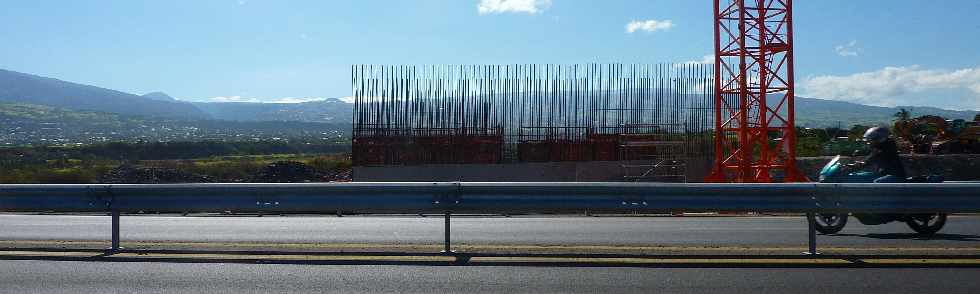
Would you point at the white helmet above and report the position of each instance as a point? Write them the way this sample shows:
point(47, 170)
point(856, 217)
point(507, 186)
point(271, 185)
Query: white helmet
point(876, 135)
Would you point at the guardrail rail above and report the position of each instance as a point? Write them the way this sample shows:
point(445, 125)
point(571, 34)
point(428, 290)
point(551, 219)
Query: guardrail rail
point(478, 197)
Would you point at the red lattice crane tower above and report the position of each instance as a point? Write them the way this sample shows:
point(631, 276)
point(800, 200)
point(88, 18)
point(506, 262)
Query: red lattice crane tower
point(755, 134)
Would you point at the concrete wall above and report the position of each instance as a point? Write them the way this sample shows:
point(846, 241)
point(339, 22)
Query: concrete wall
point(953, 167)
point(589, 171)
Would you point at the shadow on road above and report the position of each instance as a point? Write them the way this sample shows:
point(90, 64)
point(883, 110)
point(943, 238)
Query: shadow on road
point(913, 236)
point(511, 260)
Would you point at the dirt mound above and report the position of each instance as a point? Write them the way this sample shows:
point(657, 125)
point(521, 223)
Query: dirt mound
point(128, 174)
point(298, 172)
point(339, 175)
point(288, 172)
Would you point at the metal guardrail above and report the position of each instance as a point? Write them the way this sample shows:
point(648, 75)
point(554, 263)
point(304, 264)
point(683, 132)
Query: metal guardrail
point(493, 197)
point(466, 197)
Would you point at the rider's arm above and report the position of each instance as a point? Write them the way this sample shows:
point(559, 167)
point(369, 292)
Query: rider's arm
point(871, 159)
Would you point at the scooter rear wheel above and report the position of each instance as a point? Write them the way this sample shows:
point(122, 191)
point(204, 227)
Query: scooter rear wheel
point(830, 223)
point(927, 224)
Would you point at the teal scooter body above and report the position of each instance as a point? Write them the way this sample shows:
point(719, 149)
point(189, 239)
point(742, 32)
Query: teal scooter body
point(836, 171)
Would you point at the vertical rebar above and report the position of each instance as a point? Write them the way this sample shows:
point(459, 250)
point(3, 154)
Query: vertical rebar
point(565, 105)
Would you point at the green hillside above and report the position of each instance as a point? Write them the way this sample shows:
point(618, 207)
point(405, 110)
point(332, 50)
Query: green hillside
point(819, 113)
point(37, 124)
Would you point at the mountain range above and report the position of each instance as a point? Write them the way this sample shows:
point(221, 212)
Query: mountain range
point(24, 88)
point(330, 110)
point(18, 87)
point(21, 88)
point(29, 124)
point(820, 113)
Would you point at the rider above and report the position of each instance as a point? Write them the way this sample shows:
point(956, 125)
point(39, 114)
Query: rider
point(884, 156)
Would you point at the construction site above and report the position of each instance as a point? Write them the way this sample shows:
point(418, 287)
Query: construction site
point(731, 120)
point(593, 122)
point(932, 134)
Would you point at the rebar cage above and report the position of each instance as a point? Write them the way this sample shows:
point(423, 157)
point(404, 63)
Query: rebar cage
point(491, 114)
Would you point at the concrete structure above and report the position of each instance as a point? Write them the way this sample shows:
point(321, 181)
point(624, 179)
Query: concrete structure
point(584, 171)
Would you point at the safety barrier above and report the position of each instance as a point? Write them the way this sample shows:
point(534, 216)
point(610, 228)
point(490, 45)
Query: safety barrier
point(475, 197)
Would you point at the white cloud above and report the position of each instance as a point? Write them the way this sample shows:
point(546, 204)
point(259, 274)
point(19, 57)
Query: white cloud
point(891, 86)
point(233, 99)
point(297, 100)
point(707, 59)
point(512, 6)
point(242, 2)
point(850, 49)
point(649, 26)
point(273, 100)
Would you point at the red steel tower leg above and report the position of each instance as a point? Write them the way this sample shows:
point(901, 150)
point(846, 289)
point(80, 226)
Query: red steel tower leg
point(755, 133)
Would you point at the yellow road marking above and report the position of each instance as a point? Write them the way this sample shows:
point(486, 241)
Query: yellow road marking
point(436, 247)
point(660, 260)
point(496, 259)
point(47, 254)
point(218, 256)
point(286, 257)
point(907, 261)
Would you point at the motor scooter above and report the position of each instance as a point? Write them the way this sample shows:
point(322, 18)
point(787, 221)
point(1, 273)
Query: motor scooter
point(831, 223)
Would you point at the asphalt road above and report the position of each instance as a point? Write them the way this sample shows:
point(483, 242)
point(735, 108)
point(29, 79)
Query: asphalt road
point(39, 271)
point(960, 231)
point(162, 277)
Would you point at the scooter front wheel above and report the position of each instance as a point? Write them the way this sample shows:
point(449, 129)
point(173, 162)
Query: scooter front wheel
point(829, 223)
point(927, 224)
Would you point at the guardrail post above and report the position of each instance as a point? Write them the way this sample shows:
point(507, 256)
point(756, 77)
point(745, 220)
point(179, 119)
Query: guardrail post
point(449, 201)
point(115, 231)
point(447, 244)
point(811, 233)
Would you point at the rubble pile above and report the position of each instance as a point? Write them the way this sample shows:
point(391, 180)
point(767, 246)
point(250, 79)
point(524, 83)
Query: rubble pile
point(128, 174)
point(339, 175)
point(277, 172)
point(287, 172)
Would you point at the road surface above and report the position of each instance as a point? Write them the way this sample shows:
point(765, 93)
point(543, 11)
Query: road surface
point(49, 268)
point(136, 277)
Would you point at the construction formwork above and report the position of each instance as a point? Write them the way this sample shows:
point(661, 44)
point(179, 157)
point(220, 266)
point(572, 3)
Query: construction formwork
point(491, 114)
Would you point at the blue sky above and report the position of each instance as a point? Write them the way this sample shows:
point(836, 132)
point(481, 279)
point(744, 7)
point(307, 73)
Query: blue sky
point(899, 52)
